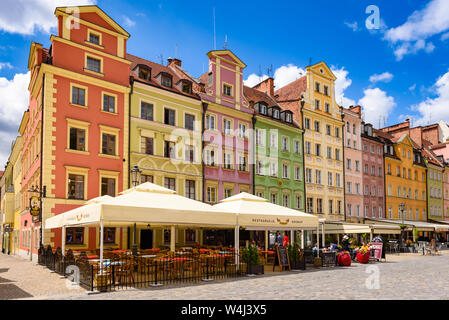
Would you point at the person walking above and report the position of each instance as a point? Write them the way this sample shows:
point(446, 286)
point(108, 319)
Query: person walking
point(279, 239)
point(285, 240)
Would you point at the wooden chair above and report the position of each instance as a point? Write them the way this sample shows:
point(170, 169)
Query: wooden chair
point(124, 272)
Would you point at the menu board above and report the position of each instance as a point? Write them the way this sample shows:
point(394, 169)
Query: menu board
point(377, 247)
point(281, 258)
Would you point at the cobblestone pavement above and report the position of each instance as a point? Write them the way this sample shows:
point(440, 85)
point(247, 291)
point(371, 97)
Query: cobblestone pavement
point(407, 276)
point(20, 278)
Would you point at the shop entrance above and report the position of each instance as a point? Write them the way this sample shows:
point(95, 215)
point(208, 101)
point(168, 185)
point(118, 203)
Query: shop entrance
point(146, 239)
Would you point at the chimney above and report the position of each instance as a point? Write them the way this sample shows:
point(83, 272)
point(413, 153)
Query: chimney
point(266, 86)
point(174, 61)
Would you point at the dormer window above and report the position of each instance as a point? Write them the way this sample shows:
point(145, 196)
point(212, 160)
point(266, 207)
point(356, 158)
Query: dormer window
point(95, 39)
point(276, 113)
point(144, 73)
point(288, 117)
point(186, 87)
point(166, 80)
point(262, 109)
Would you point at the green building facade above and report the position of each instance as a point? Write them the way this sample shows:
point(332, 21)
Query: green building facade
point(435, 206)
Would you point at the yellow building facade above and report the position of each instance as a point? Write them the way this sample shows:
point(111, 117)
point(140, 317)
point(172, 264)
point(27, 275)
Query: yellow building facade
point(405, 180)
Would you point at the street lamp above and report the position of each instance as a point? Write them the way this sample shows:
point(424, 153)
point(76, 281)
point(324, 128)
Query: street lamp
point(135, 176)
point(402, 209)
point(135, 180)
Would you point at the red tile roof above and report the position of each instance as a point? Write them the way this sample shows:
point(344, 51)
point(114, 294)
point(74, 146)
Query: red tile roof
point(156, 69)
point(292, 91)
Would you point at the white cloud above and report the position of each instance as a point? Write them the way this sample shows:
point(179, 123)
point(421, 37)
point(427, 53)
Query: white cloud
point(282, 76)
point(445, 36)
point(27, 16)
point(383, 77)
point(354, 26)
point(341, 84)
point(410, 37)
point(14, 101)
point(128, 22)
point(435, 109)
point(376, 103)
point(413, 87)
point(5, 65)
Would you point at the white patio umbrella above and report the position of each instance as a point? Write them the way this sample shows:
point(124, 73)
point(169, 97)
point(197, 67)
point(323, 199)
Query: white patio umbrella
point(256, 213)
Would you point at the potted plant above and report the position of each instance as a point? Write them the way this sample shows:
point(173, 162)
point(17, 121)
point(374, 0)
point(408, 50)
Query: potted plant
point(344, 258)
point(363, 255)
point(296, 257)
point(250, 256)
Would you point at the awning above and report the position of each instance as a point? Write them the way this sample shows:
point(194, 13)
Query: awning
point(385, 229)
point(147, 203)
point(443, 226)
point(419, 225)
point(335, 227)
point(256, 213)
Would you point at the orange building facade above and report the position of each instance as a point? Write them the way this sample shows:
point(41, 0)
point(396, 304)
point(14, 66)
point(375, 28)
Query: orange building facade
point(84, 143)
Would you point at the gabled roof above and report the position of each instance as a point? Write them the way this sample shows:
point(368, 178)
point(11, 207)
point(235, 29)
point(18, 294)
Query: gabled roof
point(292, 91)
point(323, 65)
point(221, 53)
point(93, 9)
point(157, 69)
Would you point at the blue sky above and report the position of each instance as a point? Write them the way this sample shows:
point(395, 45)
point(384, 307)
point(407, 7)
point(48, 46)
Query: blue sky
point(407, 55)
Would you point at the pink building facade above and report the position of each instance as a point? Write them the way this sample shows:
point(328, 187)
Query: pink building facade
point(373, 174)
point(353, 164)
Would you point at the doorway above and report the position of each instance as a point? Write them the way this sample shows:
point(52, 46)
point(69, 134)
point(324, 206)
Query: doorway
point(146, 239)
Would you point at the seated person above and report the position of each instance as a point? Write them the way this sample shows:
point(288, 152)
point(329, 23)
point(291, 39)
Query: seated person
point(315, 250)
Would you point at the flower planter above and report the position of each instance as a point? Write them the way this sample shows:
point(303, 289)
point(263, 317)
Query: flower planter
point(297, 265)
point(363, 258)
point(256, 269)
point(344, 259)
point(317, 262)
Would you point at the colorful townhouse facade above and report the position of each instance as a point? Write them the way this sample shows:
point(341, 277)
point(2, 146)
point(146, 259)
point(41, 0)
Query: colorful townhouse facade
point(227, 127)
point(165, 138)
point(446, 193)
point(435, 170)
point(373, 173)
point(354, 187)
point(76, 130)
point(311, 98)
point(405, 178)
point(278, 153)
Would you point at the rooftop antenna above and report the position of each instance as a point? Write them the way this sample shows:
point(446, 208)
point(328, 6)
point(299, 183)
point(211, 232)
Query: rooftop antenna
point(310, 61)
point(176, 52)
point(215, 37)
point(225, 47)
point(270, 71)
point(161, 56)
point(260, 73)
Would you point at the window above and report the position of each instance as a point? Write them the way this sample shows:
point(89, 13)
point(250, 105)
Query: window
point(146, 111)
point(108, 103)
point(169, 117)
point(169, 150)
point(263, 108)
point(259, 137)
point(349, 209)
point(285, 171)
point(319, 205)
point(348, 164)
point(242, 163)
point(94, 38)
point(93, 64)
point(210, 158)
point(147, 145)
point(318, 176)
point(389, 169)
point(210, 122)
point(339, 207)
point(273, 169)
point(329, 179)
point(227, 163)
point(326, 107)
point(296, 146)
point(78, 96)
point(318, 150)
point(337, 132)
point(166, 80)
point(228, 192)
point(211, 194)
point(297, 173)
point(285, 200)
point(259, 167)
point(108, 146)
point(210, 78)
point(307, 123)
point(227, 126)
point(170, 183)
point(337, 154)
point(274, 198)
point(284, 144)
point(144, 74)
point(317, 126)
point(77, 139)
point(242, 130)
point(308, 147)
point(317, 104)
point(373, 170)
point(227, 90)
point(108, 187)
point(349, 187)
point(146, 178)
point(76, 187)
point(357, 165)
point(329, 152)
point(308, 175)
point(298, 201)
point(348, 128)
point(331, 206)
point(188, 121)
point(366, 190)
point(317, 87)
point(326, 90)
point(309, 205)
point(189, 153)
point(357, 188)
point(74, 236)
point(328, 129)
point(186, 87)
point(337, 180)
point(190, 189)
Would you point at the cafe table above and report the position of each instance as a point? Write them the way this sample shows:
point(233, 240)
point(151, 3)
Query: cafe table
point(92, 257)
point(149, 256)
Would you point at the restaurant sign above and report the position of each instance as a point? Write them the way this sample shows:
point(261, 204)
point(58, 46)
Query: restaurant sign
point(35, 206)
